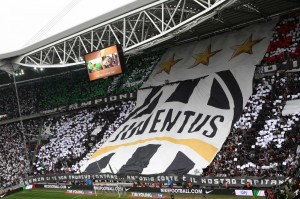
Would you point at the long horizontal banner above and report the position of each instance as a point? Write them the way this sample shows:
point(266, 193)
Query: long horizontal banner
point(158, 190)
point(146, 189)
point(196, 180)
point(98, 101)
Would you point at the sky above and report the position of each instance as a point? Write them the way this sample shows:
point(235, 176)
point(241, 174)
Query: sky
point(25, 22)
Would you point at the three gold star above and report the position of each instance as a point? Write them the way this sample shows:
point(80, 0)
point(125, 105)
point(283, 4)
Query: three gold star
point(246, 47)
point(203, 58)
point(168, 65)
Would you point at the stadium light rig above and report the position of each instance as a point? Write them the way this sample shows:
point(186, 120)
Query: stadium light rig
point(19, 72)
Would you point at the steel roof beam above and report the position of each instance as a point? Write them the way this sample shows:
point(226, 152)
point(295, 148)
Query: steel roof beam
point(135, 31)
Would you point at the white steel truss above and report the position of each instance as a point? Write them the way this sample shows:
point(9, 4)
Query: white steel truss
point(135, 31)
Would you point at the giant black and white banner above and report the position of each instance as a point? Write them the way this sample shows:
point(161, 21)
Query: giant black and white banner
point(178, 128)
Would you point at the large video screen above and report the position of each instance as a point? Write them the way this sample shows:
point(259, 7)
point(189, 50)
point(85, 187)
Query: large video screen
point(104, 63)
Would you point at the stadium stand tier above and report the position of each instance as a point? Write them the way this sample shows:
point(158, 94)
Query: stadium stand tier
point(14, 163)
point(263, 142)
point(285, 42)
point(74, 87)
point(71, 136)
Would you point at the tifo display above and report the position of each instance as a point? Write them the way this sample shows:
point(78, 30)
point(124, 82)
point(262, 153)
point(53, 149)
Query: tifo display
point(201, 115)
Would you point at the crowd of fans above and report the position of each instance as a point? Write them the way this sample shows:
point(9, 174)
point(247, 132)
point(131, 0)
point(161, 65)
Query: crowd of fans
point(8, 101)
point(285, 42)
point(74, 87)
point(106, 132)
point(71, 136)
point(14, 163)
point(263, 142)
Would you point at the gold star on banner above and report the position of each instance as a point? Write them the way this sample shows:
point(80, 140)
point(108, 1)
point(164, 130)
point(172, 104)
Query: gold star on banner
point(203, 58)
point(168, 65)
point(246, 47)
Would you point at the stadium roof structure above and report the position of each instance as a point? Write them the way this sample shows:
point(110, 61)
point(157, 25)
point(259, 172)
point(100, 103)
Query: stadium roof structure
point(147, 24)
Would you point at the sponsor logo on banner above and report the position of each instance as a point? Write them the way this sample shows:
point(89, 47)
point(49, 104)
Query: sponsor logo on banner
point(147, 195)
point(243, 192)
point(254, 192)
point(198, 191)
point(54, 186)
point(110, 188)
point(208, 192)
point(80, 192)
point(185, 191)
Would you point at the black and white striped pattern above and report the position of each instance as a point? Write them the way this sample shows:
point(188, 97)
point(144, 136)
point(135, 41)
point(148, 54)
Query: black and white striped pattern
point(178, 128)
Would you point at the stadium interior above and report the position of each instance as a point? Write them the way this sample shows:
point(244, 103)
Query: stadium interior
point(53, 120)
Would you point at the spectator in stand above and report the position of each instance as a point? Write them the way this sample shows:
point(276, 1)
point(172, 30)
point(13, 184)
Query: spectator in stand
point(190, 185)
point(248, 186)
point(170, 183)
point(159, 184)
point(153, 185)
point(227, 184)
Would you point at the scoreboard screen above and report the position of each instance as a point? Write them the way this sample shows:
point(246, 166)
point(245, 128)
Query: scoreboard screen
point(104, 63)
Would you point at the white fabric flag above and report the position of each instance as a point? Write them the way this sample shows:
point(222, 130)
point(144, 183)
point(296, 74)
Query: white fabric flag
point(177, 128)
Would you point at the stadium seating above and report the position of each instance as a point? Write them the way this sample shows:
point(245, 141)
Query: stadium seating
point(263, 142)
point(285, 42)
point(73, 87)
point(14, 164)
point(27, 97)
point(135, 76)
point(71, 136)
point(111, 127)
point(58, 91)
